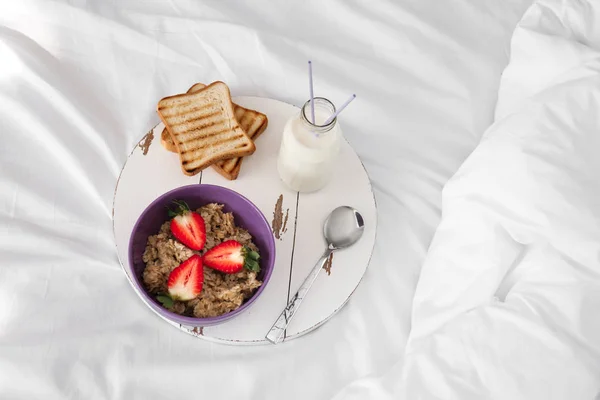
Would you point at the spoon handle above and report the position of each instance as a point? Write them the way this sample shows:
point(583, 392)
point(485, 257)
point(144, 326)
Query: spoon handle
point(277, 332)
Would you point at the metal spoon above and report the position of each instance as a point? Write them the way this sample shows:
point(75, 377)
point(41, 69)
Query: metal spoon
point(343, 227)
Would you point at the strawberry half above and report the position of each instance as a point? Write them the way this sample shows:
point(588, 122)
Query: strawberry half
point(231, 257)
point(188, 226)
point(185, 281)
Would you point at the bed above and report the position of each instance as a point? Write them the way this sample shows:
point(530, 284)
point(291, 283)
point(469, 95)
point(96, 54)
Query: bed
point(79, 83)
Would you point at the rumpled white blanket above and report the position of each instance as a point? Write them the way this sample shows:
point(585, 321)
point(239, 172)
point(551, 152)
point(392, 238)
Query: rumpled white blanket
point(507, 302)
point(79, 82)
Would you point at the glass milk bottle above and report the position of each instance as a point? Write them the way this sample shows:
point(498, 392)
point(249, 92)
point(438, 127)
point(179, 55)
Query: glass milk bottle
point(309, 151)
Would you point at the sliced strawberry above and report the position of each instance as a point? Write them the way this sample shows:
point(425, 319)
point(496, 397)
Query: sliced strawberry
point(230, 257)
point(188, 226)
point(185, 281)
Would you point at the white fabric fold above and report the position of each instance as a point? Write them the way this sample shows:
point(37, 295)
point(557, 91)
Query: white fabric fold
point(79, 83)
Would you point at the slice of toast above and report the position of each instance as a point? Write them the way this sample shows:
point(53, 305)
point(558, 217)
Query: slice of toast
point(252, 122)
point(203, 127)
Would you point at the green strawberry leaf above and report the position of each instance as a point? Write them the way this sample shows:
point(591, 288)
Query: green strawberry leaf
point(165, 300)
point(251, 259)
point(251, 265)
point(181, 207)
point(254, 255)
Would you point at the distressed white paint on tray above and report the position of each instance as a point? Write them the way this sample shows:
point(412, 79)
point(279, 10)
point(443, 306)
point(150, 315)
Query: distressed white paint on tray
point(146, 177)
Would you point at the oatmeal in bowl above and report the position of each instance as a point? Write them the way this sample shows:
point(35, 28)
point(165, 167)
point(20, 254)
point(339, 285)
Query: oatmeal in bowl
point(221, 291)
point(201, 254)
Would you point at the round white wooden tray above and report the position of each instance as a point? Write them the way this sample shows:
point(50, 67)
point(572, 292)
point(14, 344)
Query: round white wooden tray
point(151, 171)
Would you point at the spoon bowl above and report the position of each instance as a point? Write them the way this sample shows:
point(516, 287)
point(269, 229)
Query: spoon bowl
point(343, 227)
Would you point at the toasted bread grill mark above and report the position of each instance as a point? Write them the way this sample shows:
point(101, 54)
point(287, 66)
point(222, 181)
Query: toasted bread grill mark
point(206, 136)
point(201, 143)
point(191, 112)
point(245, 121)
point(198, 128)
point(212, 140)
point(175, 102)
point(229, 165)
point(188, 157)
point(254, 125)
point(171, 109)
point(191, 165)
point(205, 125)
point(191, 117)
point(184, 109)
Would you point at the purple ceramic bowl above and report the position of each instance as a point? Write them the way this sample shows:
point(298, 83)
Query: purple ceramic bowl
point(246, 215)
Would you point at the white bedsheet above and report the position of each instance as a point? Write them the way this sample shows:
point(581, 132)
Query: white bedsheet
point(79, 81)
